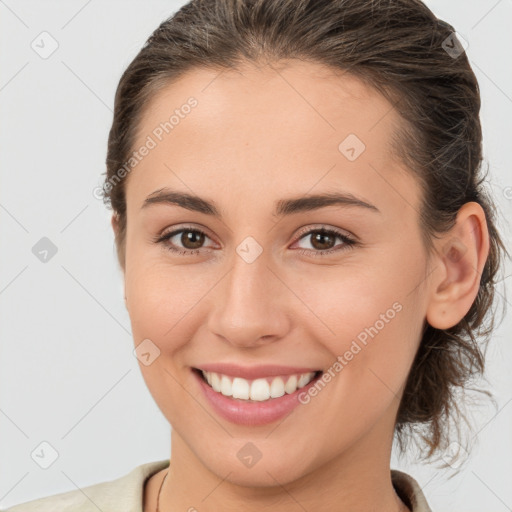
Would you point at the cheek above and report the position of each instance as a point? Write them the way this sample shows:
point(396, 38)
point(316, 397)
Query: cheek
point(371, 323)
point(155, 303)
point(372, 354)
point(155, 294)
point(164, 301)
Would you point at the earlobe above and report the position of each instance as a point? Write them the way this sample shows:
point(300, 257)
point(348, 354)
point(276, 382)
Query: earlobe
point(113, 223)
point(460, 261)
point(124, 293)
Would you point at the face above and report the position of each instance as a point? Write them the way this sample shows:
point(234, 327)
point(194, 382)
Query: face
point(337, 287)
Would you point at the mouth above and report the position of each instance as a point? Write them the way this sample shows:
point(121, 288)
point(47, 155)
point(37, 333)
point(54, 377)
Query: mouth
point(256, 390)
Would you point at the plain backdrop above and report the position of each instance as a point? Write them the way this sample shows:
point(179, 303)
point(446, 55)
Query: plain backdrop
point(68, 376)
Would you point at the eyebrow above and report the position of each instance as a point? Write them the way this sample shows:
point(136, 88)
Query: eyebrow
point(283, 207)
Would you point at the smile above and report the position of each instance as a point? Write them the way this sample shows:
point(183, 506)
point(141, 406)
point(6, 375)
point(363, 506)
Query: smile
point(269, 399)
point(257, 390)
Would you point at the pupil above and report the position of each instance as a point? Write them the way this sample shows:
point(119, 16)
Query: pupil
point(189, 236)
point(320, 237)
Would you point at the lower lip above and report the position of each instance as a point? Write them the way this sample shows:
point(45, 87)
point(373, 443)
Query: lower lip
point(244, 412)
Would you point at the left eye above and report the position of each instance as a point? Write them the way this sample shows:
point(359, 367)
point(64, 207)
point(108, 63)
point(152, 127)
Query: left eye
point(192, 240)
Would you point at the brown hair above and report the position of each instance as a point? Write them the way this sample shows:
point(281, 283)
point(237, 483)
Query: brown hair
point(400, 48)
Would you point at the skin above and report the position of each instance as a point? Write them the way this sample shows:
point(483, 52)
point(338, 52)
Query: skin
point(259, 135)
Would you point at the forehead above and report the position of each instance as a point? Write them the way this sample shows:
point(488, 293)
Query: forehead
point(287, 125)
point(322, 98)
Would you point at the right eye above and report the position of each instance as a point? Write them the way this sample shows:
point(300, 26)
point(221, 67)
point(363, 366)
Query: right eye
point(191, 239)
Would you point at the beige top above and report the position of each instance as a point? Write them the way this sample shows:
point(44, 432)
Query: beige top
point(126, 494)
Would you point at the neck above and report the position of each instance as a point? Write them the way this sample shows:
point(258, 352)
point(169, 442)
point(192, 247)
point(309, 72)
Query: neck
point(358, 480)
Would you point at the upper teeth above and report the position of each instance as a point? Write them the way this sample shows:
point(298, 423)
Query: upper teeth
point(259, 389)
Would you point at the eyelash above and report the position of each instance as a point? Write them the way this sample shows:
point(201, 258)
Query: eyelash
point(349, 243)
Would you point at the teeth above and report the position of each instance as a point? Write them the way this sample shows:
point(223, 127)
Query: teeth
point(291, 384)
point(259, 389)
point(276, 388)
point(215, 384)
point(240, 389)
point(225, 386)
point(303, 380)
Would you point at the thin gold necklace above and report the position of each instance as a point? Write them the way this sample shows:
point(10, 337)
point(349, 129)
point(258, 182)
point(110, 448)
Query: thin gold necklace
point(158, 497)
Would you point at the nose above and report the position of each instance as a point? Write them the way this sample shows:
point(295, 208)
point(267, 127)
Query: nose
point(249, 305)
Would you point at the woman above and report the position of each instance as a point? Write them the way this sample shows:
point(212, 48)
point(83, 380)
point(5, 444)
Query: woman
point(308, 252)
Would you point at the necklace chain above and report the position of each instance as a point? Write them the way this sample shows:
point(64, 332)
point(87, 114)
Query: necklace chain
point(159, 492)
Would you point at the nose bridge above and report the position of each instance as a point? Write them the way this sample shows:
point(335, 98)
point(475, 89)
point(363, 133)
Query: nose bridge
point(247, 308)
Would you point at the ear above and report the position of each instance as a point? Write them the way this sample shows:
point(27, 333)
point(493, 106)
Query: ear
point(115, 226)
point(460, 260)
point(113, 222)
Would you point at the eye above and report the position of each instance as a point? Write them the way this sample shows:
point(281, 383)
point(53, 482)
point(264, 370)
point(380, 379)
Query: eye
point(322, 239)
point(191, 238)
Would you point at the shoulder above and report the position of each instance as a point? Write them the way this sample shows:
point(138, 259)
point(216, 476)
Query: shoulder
point(409, 491)
point(122, 494)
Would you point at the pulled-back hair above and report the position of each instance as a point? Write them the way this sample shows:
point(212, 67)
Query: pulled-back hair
point(404, 51)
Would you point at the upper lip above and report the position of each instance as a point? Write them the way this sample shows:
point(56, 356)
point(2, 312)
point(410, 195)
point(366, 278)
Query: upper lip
point(253, 372)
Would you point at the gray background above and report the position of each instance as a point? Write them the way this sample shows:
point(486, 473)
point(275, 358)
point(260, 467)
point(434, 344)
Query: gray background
point(67, 372)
